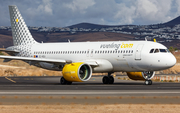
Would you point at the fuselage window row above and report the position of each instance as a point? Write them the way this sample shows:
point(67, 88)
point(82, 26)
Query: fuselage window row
point(84, 52)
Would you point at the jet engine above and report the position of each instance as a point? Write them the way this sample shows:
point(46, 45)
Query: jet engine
point(77, 72)
point(146, 75)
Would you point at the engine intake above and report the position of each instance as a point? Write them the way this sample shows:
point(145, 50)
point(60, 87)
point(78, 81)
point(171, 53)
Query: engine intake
point(77, 72)
point(146, 75)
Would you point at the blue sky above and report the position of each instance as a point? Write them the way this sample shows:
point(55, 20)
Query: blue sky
point(61, 13)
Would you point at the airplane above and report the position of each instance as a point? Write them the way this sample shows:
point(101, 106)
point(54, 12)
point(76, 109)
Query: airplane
point(78, 60)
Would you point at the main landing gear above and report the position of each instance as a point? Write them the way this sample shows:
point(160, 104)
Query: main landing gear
point(148, 82)
point(63, 81)
point(108, 79)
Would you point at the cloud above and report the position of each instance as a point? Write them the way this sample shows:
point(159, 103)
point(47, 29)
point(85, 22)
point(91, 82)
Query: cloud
point(45, 7)
point(177, 2)
point(62, 13)
point(150, 11)
point(125, 15)
point(80, 5)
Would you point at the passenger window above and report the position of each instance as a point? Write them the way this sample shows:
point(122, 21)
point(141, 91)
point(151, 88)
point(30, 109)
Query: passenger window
point(156, 51)
point(151, 51)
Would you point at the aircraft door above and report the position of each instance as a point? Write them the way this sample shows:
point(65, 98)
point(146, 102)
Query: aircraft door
point(138, 52)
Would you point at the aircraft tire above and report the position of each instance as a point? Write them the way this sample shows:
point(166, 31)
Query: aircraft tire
point(111, 79)
point(105, 80)
point(69, 83)
point(63, 81)
point(148, 82)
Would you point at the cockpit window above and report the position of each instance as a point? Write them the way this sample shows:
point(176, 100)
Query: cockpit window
point(163, 50)
point(159, 50)
point(167, 50)
point(156, 51)
point(151, 51)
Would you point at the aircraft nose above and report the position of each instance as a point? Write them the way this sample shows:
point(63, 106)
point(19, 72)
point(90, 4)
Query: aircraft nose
point(171, 61)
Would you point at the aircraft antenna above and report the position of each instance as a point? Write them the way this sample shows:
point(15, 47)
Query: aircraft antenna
point(145, 39)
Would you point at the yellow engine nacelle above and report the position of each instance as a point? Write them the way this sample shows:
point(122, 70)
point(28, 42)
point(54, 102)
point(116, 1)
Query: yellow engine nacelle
point(77, 72)
point(146, 75)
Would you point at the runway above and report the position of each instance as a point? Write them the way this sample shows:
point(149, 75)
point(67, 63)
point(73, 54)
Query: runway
point(93, 91)
point(43, 85)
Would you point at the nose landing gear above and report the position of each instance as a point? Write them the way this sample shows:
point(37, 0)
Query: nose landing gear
point(148, 82)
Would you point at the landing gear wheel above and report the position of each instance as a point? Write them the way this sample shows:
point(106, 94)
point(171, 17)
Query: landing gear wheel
point(148, 82)
point(108, 80)
point(111, 79)
point(105, 80)
point(63, 81)
point(69, 83)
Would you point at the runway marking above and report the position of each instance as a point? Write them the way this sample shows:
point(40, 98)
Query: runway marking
point(80, 93)
point(10, 80)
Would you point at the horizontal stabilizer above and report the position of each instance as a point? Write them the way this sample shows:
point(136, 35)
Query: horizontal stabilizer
point(10, 52)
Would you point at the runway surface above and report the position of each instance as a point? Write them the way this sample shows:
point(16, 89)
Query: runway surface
point(48, 89)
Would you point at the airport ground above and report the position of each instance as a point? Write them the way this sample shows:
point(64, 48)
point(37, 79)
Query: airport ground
point(46, 95)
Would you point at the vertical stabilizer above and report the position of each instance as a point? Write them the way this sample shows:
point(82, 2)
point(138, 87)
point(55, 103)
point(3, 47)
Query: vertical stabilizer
point(20, 32)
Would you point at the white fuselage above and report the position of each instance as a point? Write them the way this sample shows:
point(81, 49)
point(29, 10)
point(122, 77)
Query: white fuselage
point(112, 56)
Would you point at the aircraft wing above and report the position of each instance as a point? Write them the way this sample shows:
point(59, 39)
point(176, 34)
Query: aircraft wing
point(55, 61)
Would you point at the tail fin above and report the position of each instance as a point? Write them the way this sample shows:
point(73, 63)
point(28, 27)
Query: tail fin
point(20, 32)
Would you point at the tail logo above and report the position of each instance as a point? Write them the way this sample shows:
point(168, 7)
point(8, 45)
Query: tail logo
point(17, 20)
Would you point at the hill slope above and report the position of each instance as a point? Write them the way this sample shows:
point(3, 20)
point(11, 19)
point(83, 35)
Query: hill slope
point(173, 22)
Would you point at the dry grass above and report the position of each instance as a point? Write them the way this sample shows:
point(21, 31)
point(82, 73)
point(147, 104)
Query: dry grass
point(86, 108)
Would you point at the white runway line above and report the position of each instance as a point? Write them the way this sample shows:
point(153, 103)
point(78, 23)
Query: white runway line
point(80, 92)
